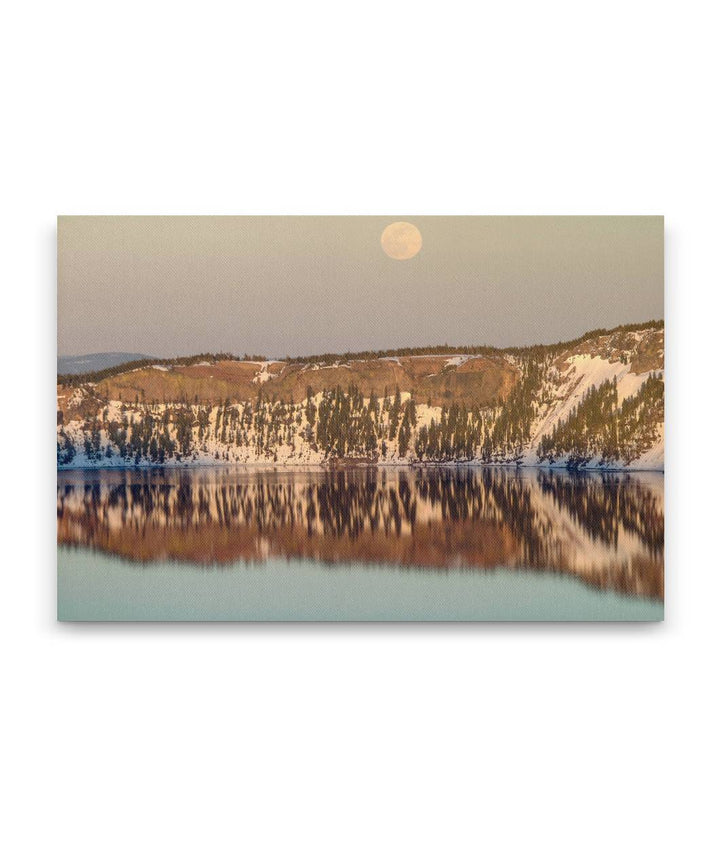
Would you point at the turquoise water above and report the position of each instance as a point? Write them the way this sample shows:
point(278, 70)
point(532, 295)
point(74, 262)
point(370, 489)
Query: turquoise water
point(94, 586)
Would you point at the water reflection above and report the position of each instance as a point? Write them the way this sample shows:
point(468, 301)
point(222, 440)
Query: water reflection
point(605, 528)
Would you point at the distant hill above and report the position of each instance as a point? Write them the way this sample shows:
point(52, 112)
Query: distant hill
point(95, 362)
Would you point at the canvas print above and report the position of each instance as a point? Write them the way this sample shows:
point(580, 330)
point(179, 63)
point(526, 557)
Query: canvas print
point(391, 418)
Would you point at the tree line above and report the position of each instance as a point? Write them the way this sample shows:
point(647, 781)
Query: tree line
point(523, 351)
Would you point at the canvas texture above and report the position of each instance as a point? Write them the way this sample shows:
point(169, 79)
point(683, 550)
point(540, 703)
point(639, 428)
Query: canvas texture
point(391, 418)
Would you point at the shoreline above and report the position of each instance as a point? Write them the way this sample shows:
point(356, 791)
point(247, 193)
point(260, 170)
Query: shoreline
point(349, 464)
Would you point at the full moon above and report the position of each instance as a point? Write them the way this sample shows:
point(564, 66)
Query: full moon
point(401, 240)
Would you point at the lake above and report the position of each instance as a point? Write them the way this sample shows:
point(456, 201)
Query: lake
point(365, 543)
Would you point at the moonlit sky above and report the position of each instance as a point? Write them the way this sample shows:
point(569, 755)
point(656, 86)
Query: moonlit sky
point(278, 286)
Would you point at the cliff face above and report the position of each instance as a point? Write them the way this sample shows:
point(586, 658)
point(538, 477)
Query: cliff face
point(596, 402)
point(438, 379)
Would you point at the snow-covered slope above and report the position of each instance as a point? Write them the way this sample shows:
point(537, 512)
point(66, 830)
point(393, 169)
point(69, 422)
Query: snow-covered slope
point(582, 374)
point(595, 403)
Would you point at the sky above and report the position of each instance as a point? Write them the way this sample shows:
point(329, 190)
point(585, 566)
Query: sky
point(278, 286)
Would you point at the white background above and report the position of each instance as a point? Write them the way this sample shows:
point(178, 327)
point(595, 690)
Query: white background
point(359, 739)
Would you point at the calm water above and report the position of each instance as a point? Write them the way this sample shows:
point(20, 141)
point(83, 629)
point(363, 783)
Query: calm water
point(363, 544)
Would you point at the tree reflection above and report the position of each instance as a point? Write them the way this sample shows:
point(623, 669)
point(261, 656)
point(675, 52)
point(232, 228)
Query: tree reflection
point(608, 529)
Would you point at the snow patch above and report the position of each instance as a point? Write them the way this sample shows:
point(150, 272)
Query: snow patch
point(457, 361)
point(263, 376)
